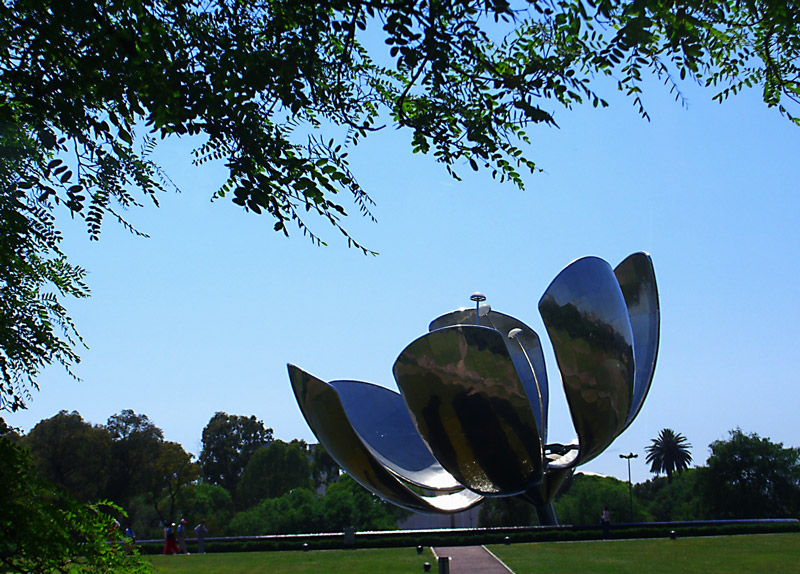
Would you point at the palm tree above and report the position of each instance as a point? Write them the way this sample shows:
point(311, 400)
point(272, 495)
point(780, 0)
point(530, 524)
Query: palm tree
point(669, 453)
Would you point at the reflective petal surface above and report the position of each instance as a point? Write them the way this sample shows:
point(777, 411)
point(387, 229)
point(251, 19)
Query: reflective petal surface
point(587, 320)
point(525, 350)
point(471, 419)
point(324, 413)
point(637, 279)
point(381, 420)
point(470, 407)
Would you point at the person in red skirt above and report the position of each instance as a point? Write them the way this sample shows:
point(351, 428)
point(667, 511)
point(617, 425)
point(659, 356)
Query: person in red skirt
point(170, 546)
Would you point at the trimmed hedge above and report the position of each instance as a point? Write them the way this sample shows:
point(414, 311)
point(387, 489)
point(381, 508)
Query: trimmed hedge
point(478, 536)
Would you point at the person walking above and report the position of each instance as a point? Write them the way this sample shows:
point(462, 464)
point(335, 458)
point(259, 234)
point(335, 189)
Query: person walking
point(200, 531)
point(605, 520)
point(169, 539)
point(182, 537)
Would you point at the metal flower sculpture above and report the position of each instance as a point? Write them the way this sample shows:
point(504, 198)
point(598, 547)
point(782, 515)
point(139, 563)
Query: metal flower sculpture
point(470, 420)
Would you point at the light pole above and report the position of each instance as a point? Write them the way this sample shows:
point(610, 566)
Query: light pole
point(477, 297)
point(629, 456)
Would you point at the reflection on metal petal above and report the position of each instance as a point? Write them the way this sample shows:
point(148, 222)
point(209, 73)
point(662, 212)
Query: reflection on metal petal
point(525, 350)
point(474, 396)
point(637, 279)
point(323, 410)
point(466, 400)
point(587, 320)
point(381, 420)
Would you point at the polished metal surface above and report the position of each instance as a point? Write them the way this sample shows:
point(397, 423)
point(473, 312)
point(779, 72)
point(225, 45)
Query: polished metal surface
point(525, 350)
point(637, 279)
point(381, 420)
point(586, 318)
point(474, 395)
point(325, 414)
point(470, 407)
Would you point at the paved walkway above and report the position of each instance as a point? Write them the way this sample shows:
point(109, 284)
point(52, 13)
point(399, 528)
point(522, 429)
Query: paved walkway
point(471, 560)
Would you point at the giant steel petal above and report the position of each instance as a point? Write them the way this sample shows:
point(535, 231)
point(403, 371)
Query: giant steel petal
point(382, 422)
point(470, 407)
point(587, 320)
point(637, 279)
point(324, 413)
point(525, 350)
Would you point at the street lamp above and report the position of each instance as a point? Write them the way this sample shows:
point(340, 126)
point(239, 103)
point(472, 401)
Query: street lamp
point(478, 297)
point(629, 456)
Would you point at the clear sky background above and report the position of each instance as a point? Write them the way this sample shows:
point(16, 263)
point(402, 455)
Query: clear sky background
point(204, 315)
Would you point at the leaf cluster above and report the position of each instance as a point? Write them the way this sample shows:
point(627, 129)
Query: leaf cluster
point(35, 276)
point(42, 529)
point(279, 91)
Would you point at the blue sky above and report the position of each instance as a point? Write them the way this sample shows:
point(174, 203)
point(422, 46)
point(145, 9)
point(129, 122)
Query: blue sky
point(204, 315)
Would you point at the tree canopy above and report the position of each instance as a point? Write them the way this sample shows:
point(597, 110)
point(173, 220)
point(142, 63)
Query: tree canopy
point(228, 443)
point(582, 499)
point(669, 453)
point(752, 477)
point(272, 471)
point(279, 91)
point(72, 454)
point(44, 529)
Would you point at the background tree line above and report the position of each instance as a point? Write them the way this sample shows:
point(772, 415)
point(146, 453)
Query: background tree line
point(244, 482)
point(745, 476)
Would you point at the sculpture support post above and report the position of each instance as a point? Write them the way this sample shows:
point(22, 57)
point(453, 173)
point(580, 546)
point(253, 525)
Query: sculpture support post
point(546, 514)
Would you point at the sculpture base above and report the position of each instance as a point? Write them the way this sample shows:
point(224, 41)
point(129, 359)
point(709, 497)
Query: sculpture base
point(546, 514)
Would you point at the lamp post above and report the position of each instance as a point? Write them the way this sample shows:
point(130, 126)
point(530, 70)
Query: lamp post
point(478, 297)
point(629, 456)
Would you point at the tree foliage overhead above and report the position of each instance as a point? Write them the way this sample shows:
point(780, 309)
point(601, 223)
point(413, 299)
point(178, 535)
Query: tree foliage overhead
point(261, 81)
point(35, 329)
point(280, 90)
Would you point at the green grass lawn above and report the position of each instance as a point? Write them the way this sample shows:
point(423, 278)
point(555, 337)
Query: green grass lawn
point(363, 561)
point(758, 553)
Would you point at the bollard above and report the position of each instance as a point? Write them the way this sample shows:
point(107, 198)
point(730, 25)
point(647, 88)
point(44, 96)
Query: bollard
point(419, 549)
point(507, 540)
point(444, 565)
point(305, 546)
point(349, 536)
point(426, 567)
point(673, 535)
